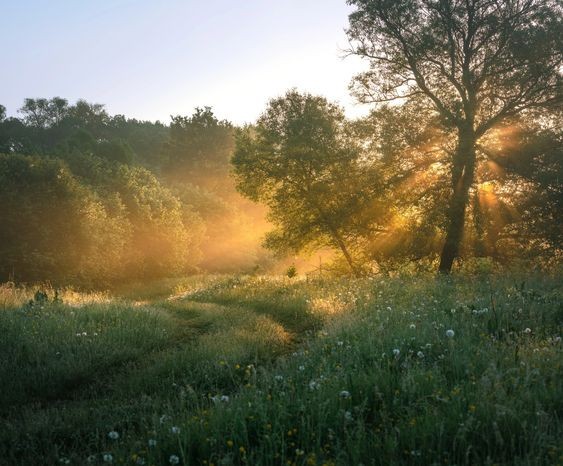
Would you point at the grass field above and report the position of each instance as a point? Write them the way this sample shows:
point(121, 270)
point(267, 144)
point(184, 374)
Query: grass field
point(272, 371)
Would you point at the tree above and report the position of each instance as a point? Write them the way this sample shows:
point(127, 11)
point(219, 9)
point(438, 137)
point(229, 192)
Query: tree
point(301, 161)
point(199, 148)
point(43, 113)
point(2, 113)
point(476, 62)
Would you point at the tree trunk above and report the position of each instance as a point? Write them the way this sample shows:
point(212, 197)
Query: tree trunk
point(337, 237)
point(347, 255)
point(463, 173)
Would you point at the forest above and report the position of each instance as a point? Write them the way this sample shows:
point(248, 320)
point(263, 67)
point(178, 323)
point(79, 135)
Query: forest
point(308, 288)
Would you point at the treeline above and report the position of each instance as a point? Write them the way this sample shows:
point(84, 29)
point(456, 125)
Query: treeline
point(466, 162)
point(90, 198)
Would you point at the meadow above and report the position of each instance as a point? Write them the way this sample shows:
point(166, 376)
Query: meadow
point(219, 370)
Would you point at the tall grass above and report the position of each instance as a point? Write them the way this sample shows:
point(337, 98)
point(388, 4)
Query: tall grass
point(261, 370)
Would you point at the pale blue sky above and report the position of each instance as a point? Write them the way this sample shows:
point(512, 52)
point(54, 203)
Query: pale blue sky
point(151, 58)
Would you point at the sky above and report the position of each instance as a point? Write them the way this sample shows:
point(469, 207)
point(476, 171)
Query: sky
point(149, 59)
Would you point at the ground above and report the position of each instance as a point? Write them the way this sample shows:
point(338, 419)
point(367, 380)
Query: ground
point(271, 370)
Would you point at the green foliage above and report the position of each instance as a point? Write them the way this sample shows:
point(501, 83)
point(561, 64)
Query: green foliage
point(199, 148)
point(302, 162)
point(476, 64)
point(291, 271)
point(52, 226)
point(117, 222)
point(256, 370)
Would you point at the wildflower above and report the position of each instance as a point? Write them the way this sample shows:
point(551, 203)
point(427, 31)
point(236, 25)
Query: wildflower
point(412, 326)
point(420, 354)
point(224, 398)
point(152, 442)
point(301, 368)
point(527, 330)
point(107, 457)
point(348, 416)
point(174, 459)
point(164, 418)
point(299, 452)
point(278, 378)
point(396, 352)
point(230, 443)
point(339, 343)
point(91, 458)
point(313, 385)
point(113, 435)
point(242, 450)
point(344, 394)
point(450, 333)
point(175, 430)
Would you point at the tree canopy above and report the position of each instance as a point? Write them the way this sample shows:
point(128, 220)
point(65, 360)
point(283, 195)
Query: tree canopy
point(301, 160)
point(476, 62)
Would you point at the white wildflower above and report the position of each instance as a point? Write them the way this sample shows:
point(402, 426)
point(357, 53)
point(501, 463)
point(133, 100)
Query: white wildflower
point(344, 394)
point(113, 435)
point(107, 457)
point(174, 459)
point(450, 333)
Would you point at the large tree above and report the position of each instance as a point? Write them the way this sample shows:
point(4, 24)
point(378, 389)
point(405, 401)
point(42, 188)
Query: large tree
point(478, 63)
point(302, 161)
